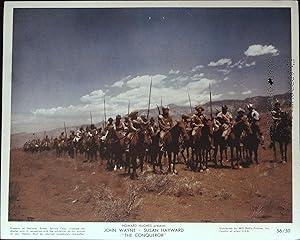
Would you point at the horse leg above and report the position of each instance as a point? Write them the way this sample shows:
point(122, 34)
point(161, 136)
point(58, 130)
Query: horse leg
point(285, 152)
point(281, 151)
point(174, 162)
point(256, 154)
point(274, 149)
point(169, 161)
point(232, 157)
point(133, 160)
point(160, 155)
point(142, 158)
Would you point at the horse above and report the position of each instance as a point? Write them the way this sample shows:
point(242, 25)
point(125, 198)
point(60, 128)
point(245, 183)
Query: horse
point(59, 146)
point(92, 147)
point(283, 135)
point(114, 145)
point(154, 151)
point(202, 143)
point(219, 144)
point(235, 142)
point(252, 141)
point(172, 144)
point(138, 143)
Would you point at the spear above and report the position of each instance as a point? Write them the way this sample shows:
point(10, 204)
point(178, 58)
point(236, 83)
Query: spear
point(91, 118)
point(190, 101)
point(128, 107)
point(161, 102)
point(210, 103)
point(149, 99)
point(104, 112)
point(65, 129)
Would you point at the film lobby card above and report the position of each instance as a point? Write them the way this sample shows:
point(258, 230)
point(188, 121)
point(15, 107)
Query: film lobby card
point(150, 120)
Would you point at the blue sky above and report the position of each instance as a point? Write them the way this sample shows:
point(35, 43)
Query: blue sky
point(66, 60)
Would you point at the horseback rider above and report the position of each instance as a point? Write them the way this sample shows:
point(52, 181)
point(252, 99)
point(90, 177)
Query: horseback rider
point(143, 121)
point(276, 117)
point(187, 122)
point(165, 122)
point(253, 115)
point(119, 125)
point(109, 124)
point(62, 137)
point(198, 119)
point(225, 118)
point(153, 127)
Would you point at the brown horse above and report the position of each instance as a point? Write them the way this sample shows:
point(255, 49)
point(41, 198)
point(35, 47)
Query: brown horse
point(138, 143)
point(115, 146)
point(202, 144)
point(172, 144)
point(235, 141)
point(252, 141)
point(283, 135)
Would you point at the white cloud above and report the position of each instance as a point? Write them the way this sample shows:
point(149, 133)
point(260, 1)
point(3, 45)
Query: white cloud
point(197, 68)
point(174, 71)
point(94, 96)
point(250, 64)
point(221, 62)
point(118, 84)
point(257, 50)
point(224, 71)
point(137, 92)
point(247, 92)
point(226, 78)
point(197, 76)
point(145, 80)
point(231, 93)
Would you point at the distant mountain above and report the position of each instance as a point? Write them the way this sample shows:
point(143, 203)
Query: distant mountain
point(261, 103)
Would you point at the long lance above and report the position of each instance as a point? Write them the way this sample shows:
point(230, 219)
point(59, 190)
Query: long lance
point(210, 103)
point(149, 99)
point(91, 118)
point(104, 113)
point(65, 129)
point(161, 102)
point(190, 101)
point(128, 107)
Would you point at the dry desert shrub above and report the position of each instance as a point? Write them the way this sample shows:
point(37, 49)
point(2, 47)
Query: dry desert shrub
point(170, 185)
point(117, 209)
point(261, 210)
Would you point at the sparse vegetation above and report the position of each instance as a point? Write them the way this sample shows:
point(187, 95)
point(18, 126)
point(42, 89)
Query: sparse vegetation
point(117, 209)
point(170, 185)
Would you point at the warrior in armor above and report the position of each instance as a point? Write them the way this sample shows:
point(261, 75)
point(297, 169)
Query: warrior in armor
point(119, 125)
point(253, 115)
point(276, 117)
point(225, 118)
point(165, 122)
point(153, 127)
point(198, 119)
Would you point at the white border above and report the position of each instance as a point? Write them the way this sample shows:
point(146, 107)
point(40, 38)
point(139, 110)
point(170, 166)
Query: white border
point(191, 230)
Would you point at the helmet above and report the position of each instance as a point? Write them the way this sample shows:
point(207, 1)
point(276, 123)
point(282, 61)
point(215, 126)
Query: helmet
point(133, 113)
point(250, 105)
point(199, 108)
point(224, 107)
point(165, 108)
point(110, 119)
point(240, 110)
point(118, 116)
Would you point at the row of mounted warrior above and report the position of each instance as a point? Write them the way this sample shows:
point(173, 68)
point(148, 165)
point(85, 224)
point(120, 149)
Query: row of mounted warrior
point(198, 137)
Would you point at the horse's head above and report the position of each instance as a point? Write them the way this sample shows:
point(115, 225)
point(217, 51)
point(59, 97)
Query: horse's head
point(181, 126)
